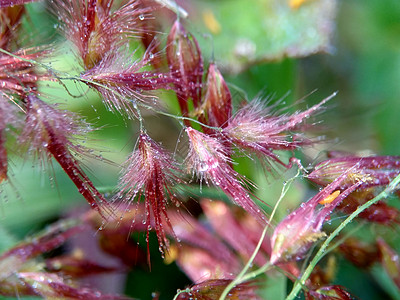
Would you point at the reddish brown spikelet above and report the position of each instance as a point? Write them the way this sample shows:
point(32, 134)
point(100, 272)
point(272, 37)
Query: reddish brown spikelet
point(199, 264)
point(11, 3)
point(207, 158)
point(201, 255)
point(373, 170)
point(186, 65)
point(232, 231)
point(95, 27)
point(18, 76)
point(219, 97)
point(330, 292)
point(47, 240)
point(380, 212)
point(217, 101)
point(22, 275)
point(113, 238)
point(212, 289)
point(15, 258)
point(7, 288)
point(56, 287)
point(122, 81)
point(323, 274)
point(126, 250)
point(256, 129)
point(151, 27)
point(390, 261)
point(149, 172)
point(49, 132)
point(295, 234)
point(359, 253)
point(10, 21)
point(75, 266)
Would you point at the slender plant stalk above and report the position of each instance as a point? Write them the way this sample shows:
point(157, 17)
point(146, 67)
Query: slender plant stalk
point(242, 277)
point(181, 292)
point(321, 252)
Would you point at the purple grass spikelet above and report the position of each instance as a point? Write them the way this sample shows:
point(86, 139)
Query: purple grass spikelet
point(150, 173)
point(208, 159)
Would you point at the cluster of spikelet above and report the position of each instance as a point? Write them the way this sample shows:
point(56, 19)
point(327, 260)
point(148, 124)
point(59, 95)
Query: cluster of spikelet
point(99, 31)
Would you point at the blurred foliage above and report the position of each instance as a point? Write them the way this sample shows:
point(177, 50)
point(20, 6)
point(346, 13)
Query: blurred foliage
point(363, 64)
point(245, 33)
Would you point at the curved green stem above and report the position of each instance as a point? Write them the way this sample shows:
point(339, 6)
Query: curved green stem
point(181, 292)
point(242, 277)
point(321, 252)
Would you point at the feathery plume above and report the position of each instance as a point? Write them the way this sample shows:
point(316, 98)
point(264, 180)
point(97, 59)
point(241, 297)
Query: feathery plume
point(257, 130)
point(95, 27)
point(48, 132)
point(208, 159)
point(295, 234)
point(149, 172)
point(122, 81)
point(186, 65)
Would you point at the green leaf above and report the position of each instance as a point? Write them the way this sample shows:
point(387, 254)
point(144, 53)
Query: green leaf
point(7, 240)
point(248, 32)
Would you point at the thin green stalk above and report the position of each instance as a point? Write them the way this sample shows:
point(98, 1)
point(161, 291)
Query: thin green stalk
point(242, 277)
point(321, 252)
point(181, 292)
point(257, 272)
point(179, 117)
point(343, 238)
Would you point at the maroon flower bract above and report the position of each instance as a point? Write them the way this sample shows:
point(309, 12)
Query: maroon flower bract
point(96, 27)
point(208, 159)
point(49, 132)
point(122, 81)
point(255, 129)
point(149, 172)
point(294, 235)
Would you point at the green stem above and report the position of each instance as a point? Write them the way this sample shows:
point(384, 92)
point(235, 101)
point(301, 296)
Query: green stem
point(257, 272)
point(181, 292)
point(242, 277)
point(321, 252)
